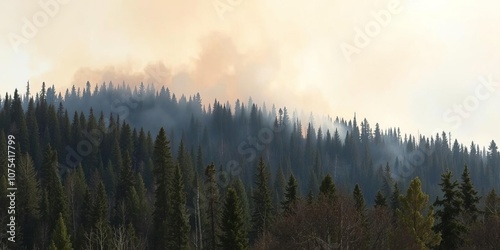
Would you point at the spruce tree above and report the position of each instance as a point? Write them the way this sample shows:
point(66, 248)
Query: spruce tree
point(410, 216)
point(245, 205)
point(263, 207)
point(492, 205)
point(60, 237)
point(122, 209)
point(359, 200)
point(233, 235)
point(450, 227)
point(28, 201)
point(51, 182)
point(291, 195)
point(380, 200)
point(177, 220)
point(163, 165)
point(327, 188)
point(469, 196)
point(212, 199)
point(395, 199)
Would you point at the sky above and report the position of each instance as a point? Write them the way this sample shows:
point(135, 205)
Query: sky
point(424, 66)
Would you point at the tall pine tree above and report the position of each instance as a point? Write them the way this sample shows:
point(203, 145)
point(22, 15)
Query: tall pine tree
point(263, 207)
point(410, 216)
point(450, 226)
point(234, 235)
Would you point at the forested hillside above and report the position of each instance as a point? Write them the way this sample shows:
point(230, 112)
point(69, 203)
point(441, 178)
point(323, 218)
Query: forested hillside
point(110, 167)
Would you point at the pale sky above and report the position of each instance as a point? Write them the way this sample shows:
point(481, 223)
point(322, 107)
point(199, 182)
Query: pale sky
point(411, 70)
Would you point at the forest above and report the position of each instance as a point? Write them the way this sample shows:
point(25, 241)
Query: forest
point(114, 167)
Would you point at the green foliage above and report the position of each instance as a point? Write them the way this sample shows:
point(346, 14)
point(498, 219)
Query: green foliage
point(213, 211)
point(28, 200)
point(380, 200)
point(163, 170)
point(327, 188)
point(395, 199)
point(234, 235)
point(178, 219)
point(449, 224)
point(359, 200)
point(263, 207)
point(469, 196)
point(243, 197)
point(291, 195)
point(411, 217)
point(60, 237)
point(492, 205)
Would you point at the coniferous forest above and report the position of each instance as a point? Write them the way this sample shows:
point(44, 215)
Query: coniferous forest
point(117, 167)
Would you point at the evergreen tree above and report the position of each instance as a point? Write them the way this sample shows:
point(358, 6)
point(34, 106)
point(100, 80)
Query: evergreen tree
point(123, 209)
point(234, 235)
point(492, 205)
point(51, 182)
point(411, 218)
point(469, 196)
point(359, 200)
point(186, 164)
point(327, 188)
point(279, 187)
point(28, 201)
point(291, 195)
point(380, 200)
point(242, 194)
point(212, 198)
point(449, 225)
point(263, 207)
point(178, 220)
point(163, 170)
point(395, 199)
point(60, 237)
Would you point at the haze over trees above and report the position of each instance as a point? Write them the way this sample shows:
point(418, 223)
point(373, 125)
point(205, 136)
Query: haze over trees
point(112, 167)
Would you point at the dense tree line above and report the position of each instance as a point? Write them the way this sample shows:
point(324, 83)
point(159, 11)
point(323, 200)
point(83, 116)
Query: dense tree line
point(116, 168)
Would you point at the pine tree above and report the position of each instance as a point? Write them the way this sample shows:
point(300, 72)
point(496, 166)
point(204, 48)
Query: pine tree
point(449, 225)
point(291, 195)
point(242, 194)
point(163, 170)
point(411, 218)
point(359, 200)
point(123, 214)
point(279, 187)
point(100, 206)
point(492, 205)
point(186, 164)
point(234, 235)
point(212, 198)
point(327, 188)
point(28, 201)
point(395, 199)
point(262, 213)
point(469, 196)
point(178, 220)
point(60, 237)
point(380, 200)
point(51, 182)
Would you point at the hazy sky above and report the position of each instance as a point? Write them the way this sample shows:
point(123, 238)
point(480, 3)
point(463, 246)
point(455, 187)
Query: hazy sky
point(422, 65)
